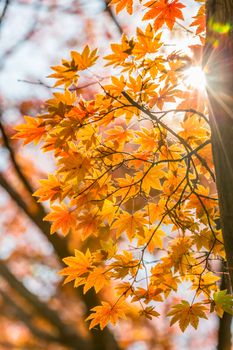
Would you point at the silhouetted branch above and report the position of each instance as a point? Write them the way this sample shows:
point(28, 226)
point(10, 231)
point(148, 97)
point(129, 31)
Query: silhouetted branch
point(101, 339)
point(66, 334)
point(27, 319)
point(4, 11)
point(7, 144)
point(108, 9)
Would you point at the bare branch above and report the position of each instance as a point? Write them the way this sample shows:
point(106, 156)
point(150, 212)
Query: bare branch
point(4, 11)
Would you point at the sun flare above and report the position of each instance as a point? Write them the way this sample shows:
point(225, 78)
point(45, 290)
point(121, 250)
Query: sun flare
point(195, 77)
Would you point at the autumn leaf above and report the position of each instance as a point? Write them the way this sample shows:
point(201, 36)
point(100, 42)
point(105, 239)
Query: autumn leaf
point(153, 236)
point(149, 312)
point(186, 314)
point(121, 4)
point(33, 130)
point(151, 178)
point(205, 283)
point(97, 278)
point(119, 135)
point(129, 223)
point(120, 52)
point(199, 21)
point(147, 42)
point(164, 12)
point(78, 265)
point(87, 225)
point(124, 264)
point(62, 217)
point(165, 94)
point(85, 59)
point(105, 313)
point(50, 189)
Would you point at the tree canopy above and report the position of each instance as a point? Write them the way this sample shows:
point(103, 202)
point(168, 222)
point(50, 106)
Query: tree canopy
point(134, 180)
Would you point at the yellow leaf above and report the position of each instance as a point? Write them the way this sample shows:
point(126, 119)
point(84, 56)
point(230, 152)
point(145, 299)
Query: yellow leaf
point(97, 278)
point(186, 314)
point(78, 265)
point(105, 313)
point(129, 223)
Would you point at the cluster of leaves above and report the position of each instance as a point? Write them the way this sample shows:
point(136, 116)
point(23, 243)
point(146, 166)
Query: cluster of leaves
point(129, 176)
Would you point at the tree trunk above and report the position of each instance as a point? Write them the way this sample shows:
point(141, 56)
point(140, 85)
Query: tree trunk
point(224, 329)
point(218, 62)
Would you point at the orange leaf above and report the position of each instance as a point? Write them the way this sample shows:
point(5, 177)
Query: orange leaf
point(33, 130)
point(107, 313)
point(62, 218)
point(121, 4)
point(164, 12)
point(78, 265)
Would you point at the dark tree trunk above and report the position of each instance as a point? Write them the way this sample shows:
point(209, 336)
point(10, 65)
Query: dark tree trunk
point(218, 61)
point(224, 329)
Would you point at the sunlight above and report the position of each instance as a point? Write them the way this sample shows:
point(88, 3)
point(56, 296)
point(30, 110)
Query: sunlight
point(195, 77)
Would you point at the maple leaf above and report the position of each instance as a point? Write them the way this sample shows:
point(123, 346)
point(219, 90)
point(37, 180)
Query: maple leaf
point(78, 265)
point(205, 283)
point(151, 293)
point(87, 225)
point(108, 211)
point(67, 73)
point(97, 278)
point(194, 129)
point(84, 60)
point(119, 135)
point(186, 314)
point(121, 4)
point(118, 84)
point(105, 313)
point(155, 210)
point(120, 52)
point(50, 189)
point(149, 312)
point(127, 188)
point(180, 248)
point(147, 139)
point(153, 236)
point(147, 42)
point(33, 130)
point(62, 217)
point(166, 94)
point(124, 264)
point(164, 11)
point(199, 20)
point(151, 178)
point(129, 223)
point(74, 165)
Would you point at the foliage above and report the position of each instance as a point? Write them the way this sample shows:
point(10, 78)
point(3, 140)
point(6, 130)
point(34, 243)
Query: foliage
point(134, 178)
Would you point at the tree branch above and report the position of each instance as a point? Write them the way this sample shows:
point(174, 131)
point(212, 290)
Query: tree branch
point(108, 9)
point(27, 320)
point(4, 11)
point(66, 334)
point(102, 340)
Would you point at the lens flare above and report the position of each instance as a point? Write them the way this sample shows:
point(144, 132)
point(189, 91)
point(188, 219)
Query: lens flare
point(195, 77)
